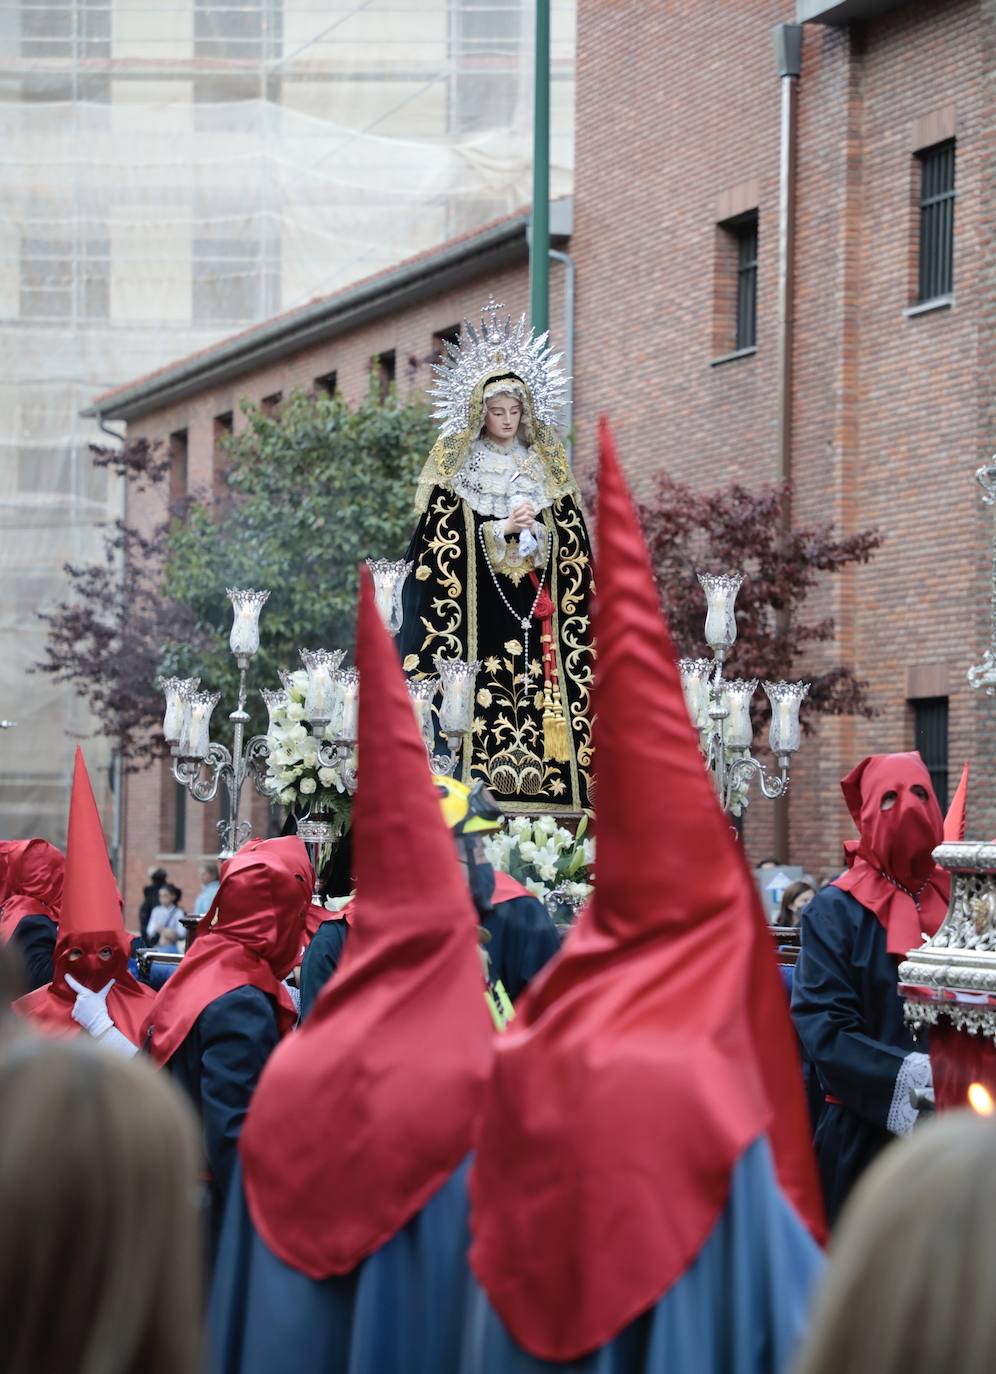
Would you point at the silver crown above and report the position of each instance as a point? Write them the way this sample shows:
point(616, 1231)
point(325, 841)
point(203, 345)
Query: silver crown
point(500, 345)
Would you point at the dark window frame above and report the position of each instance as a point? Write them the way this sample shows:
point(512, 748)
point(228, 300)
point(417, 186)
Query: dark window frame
point(935, 265)
point(931, 740)
point(745, 231)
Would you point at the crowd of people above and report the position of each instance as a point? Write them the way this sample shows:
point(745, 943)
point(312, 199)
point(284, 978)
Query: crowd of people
point(324, 1144)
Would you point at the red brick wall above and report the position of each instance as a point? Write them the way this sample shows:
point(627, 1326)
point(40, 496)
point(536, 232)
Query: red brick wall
point(886, 409)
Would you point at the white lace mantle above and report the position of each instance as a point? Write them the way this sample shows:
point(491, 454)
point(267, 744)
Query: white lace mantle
point(486, 482)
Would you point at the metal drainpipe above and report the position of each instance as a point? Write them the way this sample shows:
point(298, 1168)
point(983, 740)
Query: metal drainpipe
point(539, 264)
point(571, 270)
point(788, 55)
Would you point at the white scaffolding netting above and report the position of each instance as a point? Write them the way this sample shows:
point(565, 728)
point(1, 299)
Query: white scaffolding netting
point(174, 171)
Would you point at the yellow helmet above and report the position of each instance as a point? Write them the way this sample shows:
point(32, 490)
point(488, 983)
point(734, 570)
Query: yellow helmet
point(467, 810)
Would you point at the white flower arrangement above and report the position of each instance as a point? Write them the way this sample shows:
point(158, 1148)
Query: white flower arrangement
point(546, 858)
point(292, 773)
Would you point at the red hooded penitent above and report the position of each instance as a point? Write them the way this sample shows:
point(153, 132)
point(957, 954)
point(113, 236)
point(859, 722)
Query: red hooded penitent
point(364, 1113)
point(91, 921)
point(645, 1060)
point(33, 884)
point(251, 936)
point(892, 870)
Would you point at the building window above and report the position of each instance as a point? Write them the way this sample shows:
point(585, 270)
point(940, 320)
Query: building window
point(384, 366)
point(178, 466)
point(937, 203)
point(270, 405)
point(746, 237)
point(326, 384)
point(443, 336)
point(64, 280)
point(930, 735)
point(735, 287)
point(235, 280)
point(61, 28)
point(485, 41)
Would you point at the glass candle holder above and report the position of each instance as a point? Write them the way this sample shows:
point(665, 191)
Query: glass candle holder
point(389, 584)
point(176, 691)
point(274, 701)
point(319, 697)
point(246, 606)
point(738, 732)
point(695, 675)
point(345, 722)
point(459, 679)
point(421, 690)
point(196, 737)
point(721, 596)
point(784, 735)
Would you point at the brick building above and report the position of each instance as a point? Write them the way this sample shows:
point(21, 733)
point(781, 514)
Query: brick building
point(891, 340)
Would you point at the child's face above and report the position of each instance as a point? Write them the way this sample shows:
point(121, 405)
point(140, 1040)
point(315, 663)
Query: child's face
point(165, 897)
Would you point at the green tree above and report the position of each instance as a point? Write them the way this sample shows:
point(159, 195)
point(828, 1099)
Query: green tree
point(309, 493)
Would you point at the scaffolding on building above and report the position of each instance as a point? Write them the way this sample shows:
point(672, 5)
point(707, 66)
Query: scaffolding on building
point(174, 171)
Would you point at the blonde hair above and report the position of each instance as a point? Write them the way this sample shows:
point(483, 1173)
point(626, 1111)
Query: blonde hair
point(910, 1285)
point(100, 1248)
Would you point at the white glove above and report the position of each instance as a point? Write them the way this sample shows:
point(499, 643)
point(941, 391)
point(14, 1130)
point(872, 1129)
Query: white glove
point(90, 1008)
point(90, 1012)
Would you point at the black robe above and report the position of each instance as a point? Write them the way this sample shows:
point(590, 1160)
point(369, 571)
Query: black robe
point(452, 608)
point(523, 939)
point(219, 1064)
point(34, 940)
point(849, 1016)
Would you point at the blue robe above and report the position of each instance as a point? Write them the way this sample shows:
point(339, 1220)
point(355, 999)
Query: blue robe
point(219, 1064)
point(321, 959)
point(523, 939)
point(740, 1308)
point(34, 939)
point(398, 1312)
point(849, 1016)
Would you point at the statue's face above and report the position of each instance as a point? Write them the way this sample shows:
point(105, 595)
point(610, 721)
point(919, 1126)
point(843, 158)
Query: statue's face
point(502, 415)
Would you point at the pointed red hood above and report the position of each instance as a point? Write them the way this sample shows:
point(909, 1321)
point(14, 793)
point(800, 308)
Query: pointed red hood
point(381, 1087)
point(33, 883)
point(658, 1046)
point(253, 935)
point(90, 922)
point(892, 870)
point(954, 821)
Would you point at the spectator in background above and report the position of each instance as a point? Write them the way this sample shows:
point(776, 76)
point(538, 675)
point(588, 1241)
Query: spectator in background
point(211, 882)
point(909, 1290)
point(165, 930)
point(98, 1158)
point(795, 899)
point(150, 899)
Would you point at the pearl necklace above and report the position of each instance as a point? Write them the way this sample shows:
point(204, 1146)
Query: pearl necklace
point(526, 620)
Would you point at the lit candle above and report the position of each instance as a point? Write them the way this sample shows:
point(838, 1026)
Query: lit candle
point(247, 604)
point(350, 705)
point(785, 719)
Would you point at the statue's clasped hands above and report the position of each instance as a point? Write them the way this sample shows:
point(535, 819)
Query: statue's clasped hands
point(523, 517)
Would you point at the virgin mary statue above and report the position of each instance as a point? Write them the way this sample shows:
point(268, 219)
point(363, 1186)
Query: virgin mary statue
point(502, 567)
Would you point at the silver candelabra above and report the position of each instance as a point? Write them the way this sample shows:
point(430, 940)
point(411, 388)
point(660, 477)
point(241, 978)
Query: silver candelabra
point(202, 766)
point(720, 708)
